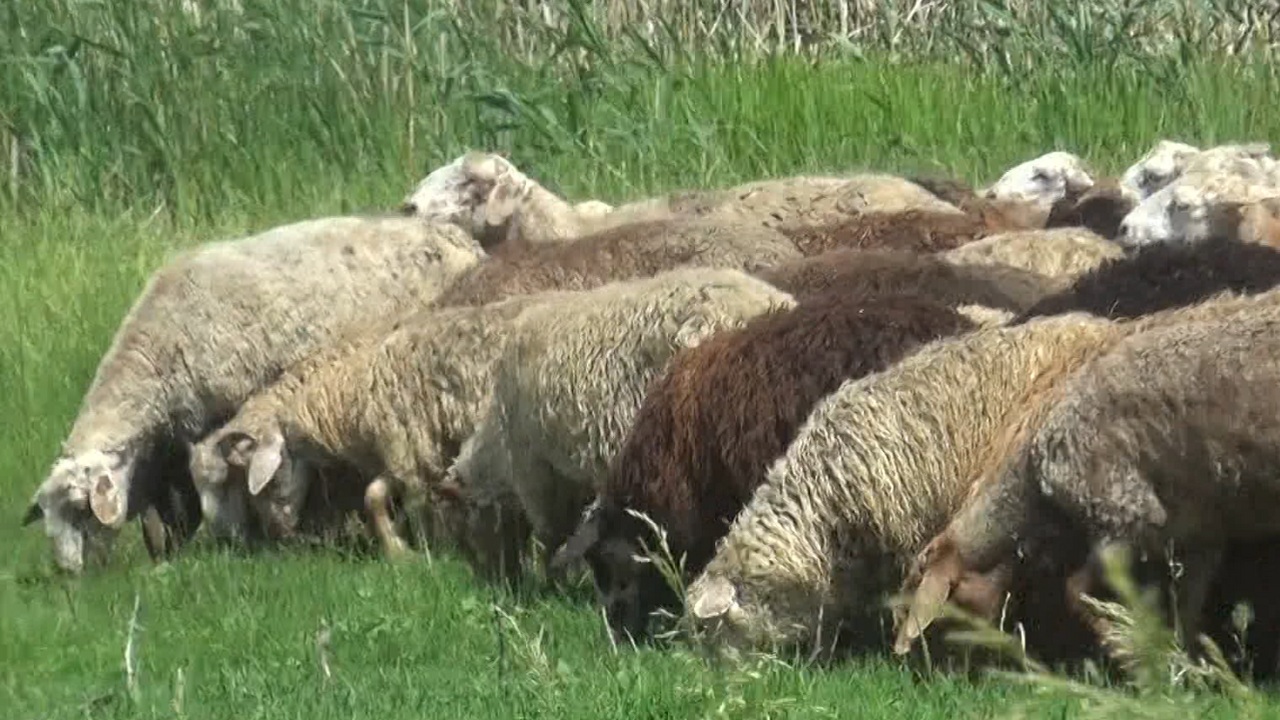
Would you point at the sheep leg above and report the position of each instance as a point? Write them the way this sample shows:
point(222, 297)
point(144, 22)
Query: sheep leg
point(1199, 567)
point(377, 503)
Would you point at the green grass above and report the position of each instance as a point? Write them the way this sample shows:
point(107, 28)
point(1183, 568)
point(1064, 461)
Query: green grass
point(138, 130)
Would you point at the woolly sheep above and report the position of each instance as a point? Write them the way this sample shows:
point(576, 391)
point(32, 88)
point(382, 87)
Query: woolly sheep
point(1043, 180)
point(916, 230)
point(394, 407)
point(1160, 277)
point(1168, 159)
point(711, 425)
point(874, 472)
point(891, 271)
point(212, 326)
point(1101, 210)
point(627, 251)
point(566, 389)
point(1167, 440)
point(1196, 206)
point(1060, 253)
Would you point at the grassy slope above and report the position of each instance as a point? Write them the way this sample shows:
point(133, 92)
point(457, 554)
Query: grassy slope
point(131, 159)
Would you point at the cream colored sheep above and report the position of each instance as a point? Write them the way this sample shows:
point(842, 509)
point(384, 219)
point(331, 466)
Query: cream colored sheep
point(876, 470)
point(392, 406)
point(213, 326)
point(1060, 253)
point(567, 389)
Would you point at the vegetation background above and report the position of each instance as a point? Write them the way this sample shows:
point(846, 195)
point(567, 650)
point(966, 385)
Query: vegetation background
point(131, 127)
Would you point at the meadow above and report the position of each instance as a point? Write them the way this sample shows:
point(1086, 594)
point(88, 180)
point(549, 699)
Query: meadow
point(129, 128)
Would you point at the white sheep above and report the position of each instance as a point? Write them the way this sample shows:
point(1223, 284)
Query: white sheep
point(492, 199)
point(1199, 205)
point(874, 472)
point(392, 407)
point(213, 326)
point(1168, 159)
point(1060, 253)
point(1169, 440)
point(566, 391)
point(1043, 181)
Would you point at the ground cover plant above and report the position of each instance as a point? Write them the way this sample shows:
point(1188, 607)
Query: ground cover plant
point(129, 128)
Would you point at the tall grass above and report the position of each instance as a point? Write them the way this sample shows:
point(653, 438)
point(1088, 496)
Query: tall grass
point(130, 127)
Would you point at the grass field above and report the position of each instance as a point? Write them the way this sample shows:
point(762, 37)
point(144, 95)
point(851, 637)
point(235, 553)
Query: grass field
point(129, 129)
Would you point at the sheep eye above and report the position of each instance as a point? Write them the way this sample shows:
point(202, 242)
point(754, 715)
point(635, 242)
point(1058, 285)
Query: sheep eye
point(1040, 176)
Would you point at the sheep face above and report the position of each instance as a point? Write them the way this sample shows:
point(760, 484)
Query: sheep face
point(479, 192)
point(83, 504)
point(1190, 210)
point(1044, 180)
point(1160, 166)
point(223, 500)
point(629, 586)
point(275, 480)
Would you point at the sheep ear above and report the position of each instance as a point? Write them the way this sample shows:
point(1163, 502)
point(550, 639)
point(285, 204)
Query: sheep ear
point(34, 513)
point(266, 460)
point(926, 605)
point(1078, 182)
point(717, 597)
point(106, 501)
point(502, 200)
point(577, 546)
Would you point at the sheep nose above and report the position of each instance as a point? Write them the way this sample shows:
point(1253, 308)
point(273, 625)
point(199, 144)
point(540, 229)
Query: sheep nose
point(409, 209)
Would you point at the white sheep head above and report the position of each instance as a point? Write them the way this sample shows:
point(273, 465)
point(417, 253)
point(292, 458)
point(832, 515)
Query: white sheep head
point(84, 503)
point(480, 192)
point(1193, 208)
point(1160, 166)
point(223, 494)
point(1044, 180)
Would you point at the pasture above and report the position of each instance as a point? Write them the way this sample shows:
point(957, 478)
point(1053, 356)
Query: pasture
point(130, 129)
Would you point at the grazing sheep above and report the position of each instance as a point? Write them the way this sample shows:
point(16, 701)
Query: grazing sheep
point(566, 389)
point(620, 253)
point(915, 230)
point(1062, 253)
point(1163, 276)
point(877, 469)
point(393, 406)
point(891, 271)
point(1167, 160)
point(488, 196)
point(1196, 206)
point(1167, 441)
point(214, 325)
point(711, 425)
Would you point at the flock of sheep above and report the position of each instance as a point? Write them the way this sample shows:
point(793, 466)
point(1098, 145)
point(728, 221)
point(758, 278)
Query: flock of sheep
point(811, 393)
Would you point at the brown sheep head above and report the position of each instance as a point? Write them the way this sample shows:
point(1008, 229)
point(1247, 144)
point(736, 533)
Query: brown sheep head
point(629, 586)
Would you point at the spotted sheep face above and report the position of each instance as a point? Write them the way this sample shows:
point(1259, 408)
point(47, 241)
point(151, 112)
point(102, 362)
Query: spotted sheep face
point(1160, 166)
point(479, 192)
point(83, 503)
point(1044, 180)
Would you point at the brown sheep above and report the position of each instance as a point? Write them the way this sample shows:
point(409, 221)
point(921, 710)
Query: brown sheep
point(710, 426)
point(887, 271)
point(625, 252)
point(916, 229)
point(1100, 209)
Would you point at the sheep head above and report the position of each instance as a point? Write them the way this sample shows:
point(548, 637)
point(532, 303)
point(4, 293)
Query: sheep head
point(1044, 180)
point(1160, 166)
point(84, 503)
point(222, 497)
point(1193, 208)
point(628, 585)
point(480, 192)
point(940, 575)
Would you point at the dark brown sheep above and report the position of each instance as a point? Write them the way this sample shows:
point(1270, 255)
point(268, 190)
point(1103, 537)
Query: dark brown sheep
point(917, 230)
point(708, 429)
point(1100, 209)
point(892, 271)
point(628, 251)
point(1162, 276)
